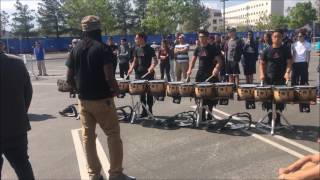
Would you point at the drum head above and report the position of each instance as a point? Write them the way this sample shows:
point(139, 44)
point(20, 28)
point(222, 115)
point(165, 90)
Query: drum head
point(157, 81)
point(283, 87)
point(176, 82)
point(204, 84)
point(224, 84)
point(187, 84)
point(305, 87)
point(138, 82)
point(247, 85)
point(264, 87)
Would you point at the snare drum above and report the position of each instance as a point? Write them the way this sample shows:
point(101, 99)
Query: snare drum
point(204, 90)
point(186, 90)
point(173, 89)
point(263, 93)
point(246, 91)
point(224, 90)
point(157, 87)
point(138, 87)
point(123, 86)
point(305, 93)
point(283, 94)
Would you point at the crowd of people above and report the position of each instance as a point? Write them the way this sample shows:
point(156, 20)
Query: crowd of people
point(91, 71)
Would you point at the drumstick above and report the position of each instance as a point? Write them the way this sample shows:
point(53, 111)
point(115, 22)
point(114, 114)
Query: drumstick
point(126, 77)
point(142, 77)
point(262, 83)
point(188, 79)
point(209, 78)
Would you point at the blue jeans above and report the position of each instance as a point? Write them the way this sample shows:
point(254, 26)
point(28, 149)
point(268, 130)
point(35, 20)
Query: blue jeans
point(16, 152)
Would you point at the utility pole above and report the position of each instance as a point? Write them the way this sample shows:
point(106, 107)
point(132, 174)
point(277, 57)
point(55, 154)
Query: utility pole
point(224, 14)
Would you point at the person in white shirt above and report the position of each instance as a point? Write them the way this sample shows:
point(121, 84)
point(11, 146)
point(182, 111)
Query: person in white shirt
point(300, 75)
point(181, 51)
point(301, 55)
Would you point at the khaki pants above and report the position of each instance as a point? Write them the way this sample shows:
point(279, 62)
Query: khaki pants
point(102, 112)
point(41, 67)
point(181, 69)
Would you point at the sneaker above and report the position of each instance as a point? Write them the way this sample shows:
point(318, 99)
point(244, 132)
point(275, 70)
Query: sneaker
point(122, 177)
point(143, 114)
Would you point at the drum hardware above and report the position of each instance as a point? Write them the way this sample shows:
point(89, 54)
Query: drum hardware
point(136, 106)
point(199, 110)
point(125, 113)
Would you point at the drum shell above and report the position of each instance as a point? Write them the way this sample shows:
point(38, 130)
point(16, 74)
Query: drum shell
point(157, 88)
point(205, 91)
point(186, 90)
point(283, 95)
point(224, 90)
point(263, 94)
point(123, 86)
point(173, 89)
point(305, 93)
point(246, 93)
point(138, 88)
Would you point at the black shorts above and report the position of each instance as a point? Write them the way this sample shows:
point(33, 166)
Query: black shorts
point(232, 67)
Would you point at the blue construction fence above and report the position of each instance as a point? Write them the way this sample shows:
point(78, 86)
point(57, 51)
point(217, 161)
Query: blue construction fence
point(23, 46)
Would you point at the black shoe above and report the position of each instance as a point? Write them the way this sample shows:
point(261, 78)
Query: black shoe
point(144, 114)
point(269, 118)
point(278, 121)
point(122, 177)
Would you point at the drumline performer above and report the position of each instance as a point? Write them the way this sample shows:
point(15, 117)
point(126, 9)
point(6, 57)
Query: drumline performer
point(144, 62)
point(210, 63)
point(275, 68)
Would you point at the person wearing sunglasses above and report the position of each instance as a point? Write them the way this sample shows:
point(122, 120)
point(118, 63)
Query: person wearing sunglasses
point(301, 56)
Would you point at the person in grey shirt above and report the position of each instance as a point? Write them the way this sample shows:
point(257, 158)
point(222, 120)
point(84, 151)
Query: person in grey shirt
point(233, 55)
point(124, 57)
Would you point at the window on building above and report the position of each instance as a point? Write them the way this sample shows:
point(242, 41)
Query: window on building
point(214, 21)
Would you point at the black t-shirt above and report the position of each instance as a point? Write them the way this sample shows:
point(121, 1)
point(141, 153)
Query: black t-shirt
point(276, 59)
point(206, 57)
point(87, 60)
point(144, 57)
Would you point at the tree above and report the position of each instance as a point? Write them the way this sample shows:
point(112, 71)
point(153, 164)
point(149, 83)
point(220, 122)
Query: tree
point(197, 16)
point(123, 15)
point(302, 14)
point(4, 17)
point(140, 13)
point(75, 10)
point(51, 17)
point(278, 22)
point(22, 20)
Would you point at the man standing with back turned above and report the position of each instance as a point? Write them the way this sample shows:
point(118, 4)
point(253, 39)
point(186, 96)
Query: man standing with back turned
point(15, 99)
point(90, 70)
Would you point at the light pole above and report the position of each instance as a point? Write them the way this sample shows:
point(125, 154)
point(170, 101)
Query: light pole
point(224, 14)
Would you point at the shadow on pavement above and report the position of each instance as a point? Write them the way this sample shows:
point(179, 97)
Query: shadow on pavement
point(40, 117)
point(307, 133)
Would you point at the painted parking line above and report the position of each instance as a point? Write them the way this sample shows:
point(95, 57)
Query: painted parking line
point(294, 143)
point(82, 161)
point(272, 143)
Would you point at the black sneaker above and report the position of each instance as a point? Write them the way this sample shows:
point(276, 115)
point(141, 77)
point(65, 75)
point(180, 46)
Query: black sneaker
point(143, 114)
point(122, 177)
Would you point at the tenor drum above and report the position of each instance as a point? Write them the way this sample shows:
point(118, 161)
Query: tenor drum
point(157, 87)
point(263, 93)
point(205, 90)
point(173, 89)
point(224, 90)
point(123, 86)
point(283, 94)
point(246, 91)
point(186, 90)
point(305, 93)
point(138, 87)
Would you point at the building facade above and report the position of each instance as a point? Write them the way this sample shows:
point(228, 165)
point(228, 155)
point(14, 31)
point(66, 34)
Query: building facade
point(250, 13)
point(215, 20)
